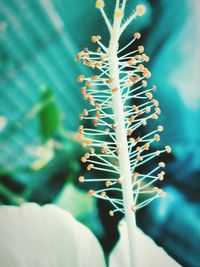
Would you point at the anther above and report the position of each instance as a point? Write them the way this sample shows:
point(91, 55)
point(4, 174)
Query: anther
point(155, 102)
point(144, 83)
point(158, 111)
point(114, 90)
point(140, 10)
point(104, 149)
point(94, 78)
point(149, 95)
point(85, 112)
point(148, 110)
point(118, 13)
point(100, 4)
point(103, 194)
point(154, 116)
point(160, 128)
point(108, 183)
point(161, 164)
point(161, 176)
point(83, 159)
point(132, 62)
point(80, 78)
point(157, 137)
point(90, 166)
point(139, 158)
point(110, 80)
point(91, 193)
point(146, 146)
point(95, 38)
point(137, 35)
point(168, 149)
point(141, 49)
point(81, 179)
point(117, 150)
point(111, 213)
point(140, 67)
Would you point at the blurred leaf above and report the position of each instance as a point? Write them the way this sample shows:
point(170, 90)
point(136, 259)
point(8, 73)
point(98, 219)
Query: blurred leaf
point(49, 116)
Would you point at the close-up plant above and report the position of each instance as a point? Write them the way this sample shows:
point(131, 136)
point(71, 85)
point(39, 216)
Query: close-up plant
point(121, 102)
point(99, 158)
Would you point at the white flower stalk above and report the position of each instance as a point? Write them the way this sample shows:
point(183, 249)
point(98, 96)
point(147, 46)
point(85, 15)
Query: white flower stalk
point(120, 77)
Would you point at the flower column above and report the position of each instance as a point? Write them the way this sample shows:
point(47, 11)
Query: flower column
point(121, 135)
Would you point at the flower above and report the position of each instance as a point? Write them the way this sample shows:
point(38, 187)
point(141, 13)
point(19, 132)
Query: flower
point(147, 253)
point(45, 236)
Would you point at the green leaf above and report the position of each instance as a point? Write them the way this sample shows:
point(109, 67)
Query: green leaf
point(49, 116)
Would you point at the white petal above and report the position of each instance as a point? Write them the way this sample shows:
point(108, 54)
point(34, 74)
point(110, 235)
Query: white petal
point(46, 236)
point(148, 254)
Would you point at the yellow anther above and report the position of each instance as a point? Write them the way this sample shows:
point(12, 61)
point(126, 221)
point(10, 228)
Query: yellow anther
point(141, 49)
point(146, 146)
point(91, 193)
point(154, 117)
point(80, 78)
point(81, 179)
point(155, 102)
point(118, 13)
point(140, 10)
point(168, 149)
point(104, 149)
point(144, 83)
point(148, 110)
point(110, 80)
point(85, 112)
point(157, 137)
point(102, 58)
point(139, 158)
point(160, 176)
point(92, 150)
point(161, 164)
point(108, 183)
point(103, 194)
point(100, 4)
point(138, 148)
point(132, 62)
point(87, 84)
point(149, 95)
point(114, 90)
point(95, 38)
point(117, 150)
point(144, 122)
point(83, 159)
point(129, 132)
point(140, 67)
point(87, 155)
point(137, 35)
point(145, 57)
point(158, 111)
point(94, 78)
point(138, 57)
point(134, 107)
point(160, 128)
point(90, 166)
point(87, 143)
point(111, 213)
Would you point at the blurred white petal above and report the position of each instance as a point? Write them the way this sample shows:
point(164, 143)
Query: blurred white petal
point(46, 236)
point(148, 254)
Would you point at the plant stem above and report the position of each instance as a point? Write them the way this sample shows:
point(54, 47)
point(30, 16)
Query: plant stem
point(121, 139)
